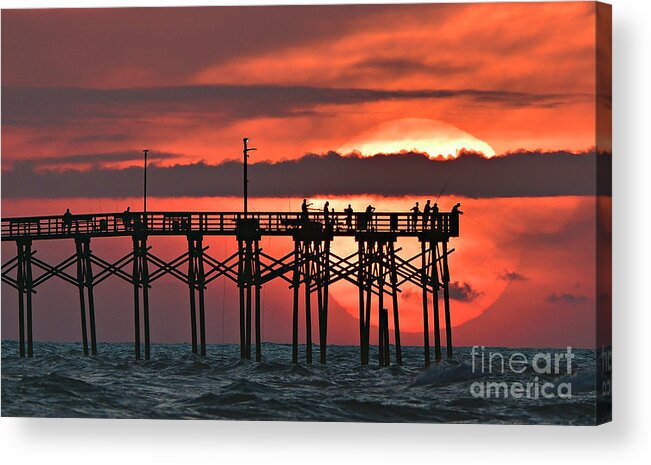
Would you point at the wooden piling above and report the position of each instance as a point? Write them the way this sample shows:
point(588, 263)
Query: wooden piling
point(145, 297)
point(192, 286)
point(308, 305)
point(240, 283)
point(424, 274)
point(295, 283)
point(361, 286)
point(20, 280)
point(394, 296)
point(435, 299)
point(136, 299)
point(29, 291)
point(91, 297)
point(446, 300)
point(201, 282)
point(258, 285)
point(82, 297)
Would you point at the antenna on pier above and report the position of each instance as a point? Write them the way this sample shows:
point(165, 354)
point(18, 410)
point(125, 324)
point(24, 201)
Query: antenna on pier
point(144, 199)
point(245, 153)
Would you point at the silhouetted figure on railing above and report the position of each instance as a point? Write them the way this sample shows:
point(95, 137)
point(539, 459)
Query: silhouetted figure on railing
point(414, 216)
point(368, 217)
point(426, 214)
point(326, 216)
point(454, 218)
point(67, 221)
point(435, 216)
point(349, 217)
point(126, 219)
point(305, 211)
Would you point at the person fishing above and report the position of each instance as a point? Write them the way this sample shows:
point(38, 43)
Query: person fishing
point(126, 218)
point(326, 215)
point(414, 216)
point(305, 211)
point(67, 220)
point(435, 215)
point(369, 217)
point(454, 218)
point(426, 214)
point(349, 217)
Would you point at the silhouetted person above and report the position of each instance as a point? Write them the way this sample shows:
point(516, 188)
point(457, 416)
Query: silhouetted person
point(349, 217)
point(126, 218)
point(426, 214)
point(435, 215)
point(304, 210)
point(369, 216)
point(414, 216)
point(326, 215)
point(67, 220)
point(454, 219)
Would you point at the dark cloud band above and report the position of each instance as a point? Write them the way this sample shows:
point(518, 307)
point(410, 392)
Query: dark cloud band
point(522, 174)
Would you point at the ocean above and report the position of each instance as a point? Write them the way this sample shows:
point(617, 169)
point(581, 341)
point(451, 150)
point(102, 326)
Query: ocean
point(176, 384)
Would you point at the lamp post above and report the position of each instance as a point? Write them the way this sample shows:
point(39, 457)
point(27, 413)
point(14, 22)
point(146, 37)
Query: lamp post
point(245, 153)
point(144, 203)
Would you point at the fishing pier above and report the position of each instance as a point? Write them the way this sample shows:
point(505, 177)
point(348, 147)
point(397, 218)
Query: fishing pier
point(377, 271)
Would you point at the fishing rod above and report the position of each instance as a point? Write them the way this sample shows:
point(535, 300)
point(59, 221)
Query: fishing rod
point(443, 190)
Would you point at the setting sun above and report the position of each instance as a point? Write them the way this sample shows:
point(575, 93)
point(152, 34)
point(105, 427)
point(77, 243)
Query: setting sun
point(418, 134)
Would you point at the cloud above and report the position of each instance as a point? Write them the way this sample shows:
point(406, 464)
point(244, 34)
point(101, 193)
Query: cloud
point(57, 106)
point(512, 276)
point(523, 174)
point(463, 292)
point(96, 158)
point(566, 298)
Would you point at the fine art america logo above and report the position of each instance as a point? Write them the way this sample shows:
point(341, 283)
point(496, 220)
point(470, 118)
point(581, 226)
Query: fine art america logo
point(541, 365)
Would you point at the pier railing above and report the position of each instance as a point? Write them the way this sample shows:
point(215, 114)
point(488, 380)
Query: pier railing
point(445, 224)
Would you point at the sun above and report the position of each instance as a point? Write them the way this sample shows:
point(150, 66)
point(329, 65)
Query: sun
point(430, 136)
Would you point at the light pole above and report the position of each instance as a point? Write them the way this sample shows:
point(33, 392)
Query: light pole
point(245, 153)
point(144, 203)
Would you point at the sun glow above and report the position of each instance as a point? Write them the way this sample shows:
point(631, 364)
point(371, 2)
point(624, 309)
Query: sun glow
point(433, 137)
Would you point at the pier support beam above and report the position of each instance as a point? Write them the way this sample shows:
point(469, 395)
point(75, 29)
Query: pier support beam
point(25, 284)
point(446, 300)
point(376, 261)
point(86, 298)
point(197, 286)
point(250, 286)
point(140, 278)
point(312, 269)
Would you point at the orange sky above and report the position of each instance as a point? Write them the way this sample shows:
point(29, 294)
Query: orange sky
point(513, 75)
